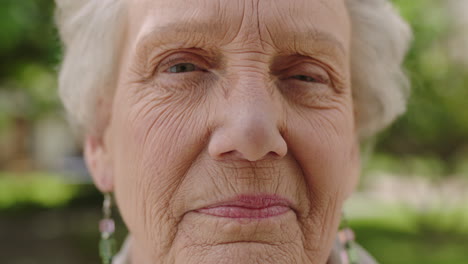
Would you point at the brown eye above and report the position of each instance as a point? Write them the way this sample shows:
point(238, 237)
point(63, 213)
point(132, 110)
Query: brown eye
point(183, 67)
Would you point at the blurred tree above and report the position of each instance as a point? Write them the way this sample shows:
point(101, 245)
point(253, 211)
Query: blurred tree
point(436, 123)
point(29, 52)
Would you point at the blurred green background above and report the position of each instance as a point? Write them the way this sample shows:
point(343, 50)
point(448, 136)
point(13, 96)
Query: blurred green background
point(411, 207)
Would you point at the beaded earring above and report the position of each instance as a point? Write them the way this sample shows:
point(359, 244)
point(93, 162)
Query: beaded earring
point(107, 228)
point(346, 236)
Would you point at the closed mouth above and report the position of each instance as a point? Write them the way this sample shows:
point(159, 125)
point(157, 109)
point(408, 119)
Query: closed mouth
point(248, 206)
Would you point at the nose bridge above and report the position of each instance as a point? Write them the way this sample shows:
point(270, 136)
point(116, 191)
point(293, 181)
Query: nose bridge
point(251, 89)
point(253, 102)
point(252, 117)
point(250, 129)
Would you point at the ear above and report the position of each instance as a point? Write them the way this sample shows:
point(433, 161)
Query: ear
point(99, 164)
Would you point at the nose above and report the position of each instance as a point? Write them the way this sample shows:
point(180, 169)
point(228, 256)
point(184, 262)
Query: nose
point(249, 129)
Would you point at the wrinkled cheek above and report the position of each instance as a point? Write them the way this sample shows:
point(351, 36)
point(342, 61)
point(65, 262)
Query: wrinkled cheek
point(154, 147)
point(323, 151)
point(325, 147)
point(328, 167)
point(323, 144)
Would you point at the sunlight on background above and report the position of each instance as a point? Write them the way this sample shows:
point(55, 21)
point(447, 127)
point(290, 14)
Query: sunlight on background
point(411, 206)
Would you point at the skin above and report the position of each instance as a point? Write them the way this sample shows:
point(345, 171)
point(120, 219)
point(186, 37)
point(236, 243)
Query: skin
point(259, 103)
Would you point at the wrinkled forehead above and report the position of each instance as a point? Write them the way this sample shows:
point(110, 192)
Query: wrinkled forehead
point(276, 22)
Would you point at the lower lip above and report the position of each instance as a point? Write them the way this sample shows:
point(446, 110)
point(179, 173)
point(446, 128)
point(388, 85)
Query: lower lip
point(243, 212)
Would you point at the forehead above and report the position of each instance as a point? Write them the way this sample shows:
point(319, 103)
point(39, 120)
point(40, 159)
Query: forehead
point(267, 20)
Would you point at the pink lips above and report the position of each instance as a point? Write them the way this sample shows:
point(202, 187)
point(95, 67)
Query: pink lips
point(249, 206)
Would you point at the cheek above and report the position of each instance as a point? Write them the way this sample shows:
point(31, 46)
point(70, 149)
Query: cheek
point(156, 139)
point(324, 144)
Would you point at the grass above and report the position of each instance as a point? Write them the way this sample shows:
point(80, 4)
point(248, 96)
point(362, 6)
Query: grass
point(34, 188)
point(393, 246)
point(400, 234)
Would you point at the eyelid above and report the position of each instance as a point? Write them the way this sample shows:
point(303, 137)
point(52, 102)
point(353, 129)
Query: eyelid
point(181, 57)
point(338, 77)
point(305, 68)
point(167, 66)
point(321, 77)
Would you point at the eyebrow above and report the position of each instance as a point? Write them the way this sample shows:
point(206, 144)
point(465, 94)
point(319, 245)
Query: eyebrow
point(213, 33)
point(325, 37)
point(201, 30)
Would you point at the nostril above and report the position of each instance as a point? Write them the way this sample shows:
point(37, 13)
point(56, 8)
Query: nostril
point(247, 138)
point(273, 155)
point(231, 155)
point(224, 146)
point(236, 155)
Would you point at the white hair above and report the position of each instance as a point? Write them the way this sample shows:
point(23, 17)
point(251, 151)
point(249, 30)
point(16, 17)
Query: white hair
point(380, 40)
point(92, 31)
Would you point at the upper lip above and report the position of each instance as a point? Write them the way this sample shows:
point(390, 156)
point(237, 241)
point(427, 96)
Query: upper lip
point(253, 201)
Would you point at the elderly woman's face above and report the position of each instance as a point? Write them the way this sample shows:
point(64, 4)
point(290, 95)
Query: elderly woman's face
point(232, 138)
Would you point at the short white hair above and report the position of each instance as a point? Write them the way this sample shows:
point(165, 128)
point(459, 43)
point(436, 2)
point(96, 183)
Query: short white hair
point(92, 30)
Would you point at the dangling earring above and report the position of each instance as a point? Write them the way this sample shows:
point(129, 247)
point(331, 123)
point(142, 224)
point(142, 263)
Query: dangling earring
point(107, 228)
point(349, 254)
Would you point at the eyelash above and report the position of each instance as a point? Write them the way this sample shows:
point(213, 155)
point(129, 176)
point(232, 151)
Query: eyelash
point(317, 79)
point(173, 62)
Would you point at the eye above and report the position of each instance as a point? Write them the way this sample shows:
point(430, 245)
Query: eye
point(305, 78)
point(183, 67)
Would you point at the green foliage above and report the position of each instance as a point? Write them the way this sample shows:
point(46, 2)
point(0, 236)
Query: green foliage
point(29, 53)
point(391, 246)
point(27, 35)
point(410, 165)
point(39, 189)
point(402, 234)
point(436, 123)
